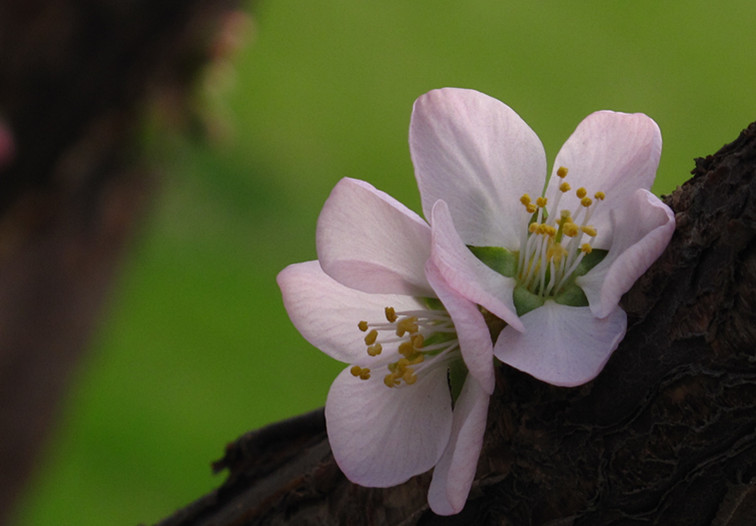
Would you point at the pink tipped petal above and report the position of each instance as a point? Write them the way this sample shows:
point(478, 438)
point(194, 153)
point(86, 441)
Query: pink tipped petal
point(455, 471)
point(468, 275)
point(615, 153)
point(326, 312)
point(369, 241)
point(382, 436)
point(565, 346)
point(479, 156)
point(643, 227)
point(472, 331)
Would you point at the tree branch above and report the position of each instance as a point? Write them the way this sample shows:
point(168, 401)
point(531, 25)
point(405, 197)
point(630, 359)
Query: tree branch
point(665, 435)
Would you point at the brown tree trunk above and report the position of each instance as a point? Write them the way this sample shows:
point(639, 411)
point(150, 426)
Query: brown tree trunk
point(665, 435)
point(73, 74)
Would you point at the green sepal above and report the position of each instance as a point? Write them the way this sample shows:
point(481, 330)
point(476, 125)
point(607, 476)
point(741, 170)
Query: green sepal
point(499, 259)
point(432, 303)
point(589, 261)
point(456, 377)
point(436, 338)
point(525, 301)
point(573, 296)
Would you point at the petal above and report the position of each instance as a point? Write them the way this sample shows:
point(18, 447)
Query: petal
point(465, 273)
point(472, 331)
point(326, 312)
point(612, 152)
point(382, 436)
point(562, 345)
point(643, 227)
point(479, 156)
point(369, 241)
point(455, 471)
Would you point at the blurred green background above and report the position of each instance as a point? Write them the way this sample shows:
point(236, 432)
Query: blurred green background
point(196, 348)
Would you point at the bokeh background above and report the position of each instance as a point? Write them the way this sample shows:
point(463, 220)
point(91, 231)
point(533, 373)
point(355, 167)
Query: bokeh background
point(196, 348)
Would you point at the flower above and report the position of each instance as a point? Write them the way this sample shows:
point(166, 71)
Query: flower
point(374, 301)
point(550, 258)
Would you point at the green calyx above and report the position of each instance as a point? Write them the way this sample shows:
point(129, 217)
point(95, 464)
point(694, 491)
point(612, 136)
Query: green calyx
point(525, 300)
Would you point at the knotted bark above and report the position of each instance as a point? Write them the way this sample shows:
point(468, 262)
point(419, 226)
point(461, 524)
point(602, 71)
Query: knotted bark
point(665, 435)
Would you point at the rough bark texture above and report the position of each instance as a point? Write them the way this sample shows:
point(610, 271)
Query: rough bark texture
point(73, 76)
point(665, 435)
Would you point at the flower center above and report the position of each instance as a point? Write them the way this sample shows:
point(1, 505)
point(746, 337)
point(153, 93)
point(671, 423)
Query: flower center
point(424, 339)
point(556, 241)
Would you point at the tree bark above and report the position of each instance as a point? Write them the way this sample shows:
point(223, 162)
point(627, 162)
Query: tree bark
point(665, 435)
point(74, 75)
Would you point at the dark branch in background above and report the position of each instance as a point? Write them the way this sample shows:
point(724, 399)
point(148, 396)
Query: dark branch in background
point(665, 435)
point(74, 75)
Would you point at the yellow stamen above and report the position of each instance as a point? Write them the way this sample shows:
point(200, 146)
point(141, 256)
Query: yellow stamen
point(406, 348)
point(371, 337)
point(581, 192)
point(541, 202)
point(359, 372)
point(556, 252)
point(390, 380)
point(408, 324)
point(531, 208)
point(600, 196)
point(564, 187)
point(363, 325)
point(562, 172)
point(586, 248)
point(570, 229)
point(586, 202)
point(375, 350)
point(390, 314)
point(409, 377)
point(525, 199)
point(587, 229)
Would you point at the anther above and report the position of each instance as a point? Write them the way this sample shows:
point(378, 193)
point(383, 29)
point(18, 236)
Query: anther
point(525, 199)
point(570, 229)
point(371, 337)
point(587, 229)
point(390, 315)
point(359, 372)
point(564, 187)
point(541, 202)
point(600, 196)
point(586, 248)
point(363, 325)
point(581, 192)
point(375, 350)
point(406, 325)
point(586, 201)
point(562, 172)
point(390, 380)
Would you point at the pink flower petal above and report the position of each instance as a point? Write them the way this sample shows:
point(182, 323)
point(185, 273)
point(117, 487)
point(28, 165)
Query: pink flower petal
point(615, 153)
point(326, 312)
point(643, 227)
point(369, 241)
point(468, 275)
point(473, 334)
point(562, 345)
point(455, 471)
point(479, 156)
point(382, 436)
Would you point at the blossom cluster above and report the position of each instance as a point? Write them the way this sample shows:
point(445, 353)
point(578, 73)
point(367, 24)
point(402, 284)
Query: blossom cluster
point(404, 301)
